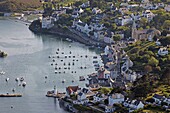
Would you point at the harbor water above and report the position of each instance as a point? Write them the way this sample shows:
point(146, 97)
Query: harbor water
point(33, 56)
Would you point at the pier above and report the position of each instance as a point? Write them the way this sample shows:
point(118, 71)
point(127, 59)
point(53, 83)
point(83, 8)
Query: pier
point(10, 95)
point(58, 95)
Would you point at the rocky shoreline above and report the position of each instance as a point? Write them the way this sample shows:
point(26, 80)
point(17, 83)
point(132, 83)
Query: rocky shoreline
point(3, 54)
point(65, 33)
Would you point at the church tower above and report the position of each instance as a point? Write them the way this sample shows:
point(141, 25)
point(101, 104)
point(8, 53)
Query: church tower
point(134, 30)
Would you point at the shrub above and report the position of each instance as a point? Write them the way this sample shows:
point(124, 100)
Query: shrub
point(134, 50)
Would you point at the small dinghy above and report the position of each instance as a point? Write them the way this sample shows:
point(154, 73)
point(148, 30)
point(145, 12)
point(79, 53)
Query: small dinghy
point(63, 81)
point(7, 79)
point(24, 84)
point(22, 79)
point(17, 79)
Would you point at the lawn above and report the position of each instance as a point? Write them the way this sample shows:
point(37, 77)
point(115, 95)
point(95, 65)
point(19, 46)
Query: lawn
point(164, 90)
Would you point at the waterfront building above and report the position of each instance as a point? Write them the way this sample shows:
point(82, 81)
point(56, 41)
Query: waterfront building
point(47, 23)
point(133, 104)
point(116, 98)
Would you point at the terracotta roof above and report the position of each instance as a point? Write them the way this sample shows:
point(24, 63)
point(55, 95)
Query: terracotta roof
point(71, 89)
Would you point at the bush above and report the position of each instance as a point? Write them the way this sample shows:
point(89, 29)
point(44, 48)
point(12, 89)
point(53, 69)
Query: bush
point(134, 50)
point(65, 27)
point(148, 68)
point(153, 61)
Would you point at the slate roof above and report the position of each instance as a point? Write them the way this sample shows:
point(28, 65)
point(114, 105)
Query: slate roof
point(84, 90)
point(80, 93)
point(158, 96)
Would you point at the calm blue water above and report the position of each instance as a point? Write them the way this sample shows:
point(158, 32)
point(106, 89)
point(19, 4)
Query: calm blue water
point(28, 57)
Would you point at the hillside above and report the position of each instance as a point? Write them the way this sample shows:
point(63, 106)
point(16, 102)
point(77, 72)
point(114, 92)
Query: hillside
point(18, 5)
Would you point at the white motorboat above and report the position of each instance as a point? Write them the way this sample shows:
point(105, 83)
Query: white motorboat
point(63, 80)
point(7, 79)
point(17, 79)
point(24, 84)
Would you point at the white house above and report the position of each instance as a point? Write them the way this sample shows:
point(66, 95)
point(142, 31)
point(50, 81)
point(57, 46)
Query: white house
point(123, 10)
point(136, 104)
point(108, 40)
point(47, 23)
point(99, 35)
point(107, 50)
point(81, 98)
point(127, 64)
point(7, 14)
point(109, 109)
point(167, 100)
point(150, 39)
point(99, 97)
point(98, 27)
point(88, 28)
point(80, 26)
point(75, 15)
point(133, 105)
point(131, 40)
point(158, 98)
point(133, 5)
point(96, 10)
point(86, 4)
point(148, 14)
point(116, 98)
point(78, 10)
point(167, 8)
point(124, 4)
point(163, 51)
point(158, 43)
point(124, 20)
point(131, 76)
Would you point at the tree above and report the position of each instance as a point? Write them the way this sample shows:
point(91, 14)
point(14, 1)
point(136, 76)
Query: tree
point(106, 101)
point(107, 24)
point(116, 37)
point(58, 6)
point(166, 24)
point(166, 76)
point(91, 33)
point(78, 3)
point(148, 68)
point(142, 89)
point(165, 41)
point(153, 61)
point(165, 32)
point(113, 26)
point(143, 22)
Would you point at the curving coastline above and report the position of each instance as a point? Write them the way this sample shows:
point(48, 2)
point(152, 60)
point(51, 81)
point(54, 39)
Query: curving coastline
point(65, 33)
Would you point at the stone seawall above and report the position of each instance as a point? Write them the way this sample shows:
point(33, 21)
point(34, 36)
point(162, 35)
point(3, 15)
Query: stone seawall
point(66, 33)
